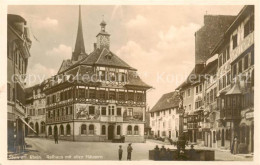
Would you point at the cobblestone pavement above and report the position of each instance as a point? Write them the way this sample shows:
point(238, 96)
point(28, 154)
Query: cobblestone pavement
point(41, 148)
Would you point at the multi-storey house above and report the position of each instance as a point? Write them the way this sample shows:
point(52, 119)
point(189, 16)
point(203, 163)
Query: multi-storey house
point(164, 120)
point(96, 96)
point(18, 52)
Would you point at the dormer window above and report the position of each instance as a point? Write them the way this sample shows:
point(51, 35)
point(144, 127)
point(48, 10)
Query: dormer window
point(109, 56)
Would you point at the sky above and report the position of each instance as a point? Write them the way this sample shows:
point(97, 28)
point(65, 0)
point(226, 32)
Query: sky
point(158, 41)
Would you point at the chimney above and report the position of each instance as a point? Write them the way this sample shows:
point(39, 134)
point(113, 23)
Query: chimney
point(95, 46)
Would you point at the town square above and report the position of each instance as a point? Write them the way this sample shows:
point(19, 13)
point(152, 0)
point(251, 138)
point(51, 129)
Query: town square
point(105, 82)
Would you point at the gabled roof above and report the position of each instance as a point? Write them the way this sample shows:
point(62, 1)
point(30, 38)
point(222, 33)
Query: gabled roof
point(105, 57)
point(135, 80)
point(64, 65)
point(167, 101)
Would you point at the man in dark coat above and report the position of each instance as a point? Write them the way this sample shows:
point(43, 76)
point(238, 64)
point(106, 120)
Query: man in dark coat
point(129, 151)
point(156, 153)
point(120, 152)
point(56, 137)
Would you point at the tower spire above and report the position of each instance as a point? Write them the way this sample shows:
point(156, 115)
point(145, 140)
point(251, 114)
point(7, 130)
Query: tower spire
point(79, 45)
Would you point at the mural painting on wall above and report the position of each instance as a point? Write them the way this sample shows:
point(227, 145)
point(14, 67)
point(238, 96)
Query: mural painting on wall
point(137, 115)
point(82, 112)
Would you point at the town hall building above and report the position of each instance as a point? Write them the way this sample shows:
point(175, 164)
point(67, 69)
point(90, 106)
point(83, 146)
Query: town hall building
point(95, 96)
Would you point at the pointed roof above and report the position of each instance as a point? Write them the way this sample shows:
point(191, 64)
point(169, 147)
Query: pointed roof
point(235, 90)
point(79, 45)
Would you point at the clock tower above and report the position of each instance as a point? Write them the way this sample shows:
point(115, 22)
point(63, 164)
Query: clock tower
point(103, 38)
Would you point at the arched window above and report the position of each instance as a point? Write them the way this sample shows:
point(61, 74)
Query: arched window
point(91, 129)
point(103, 132)
point(118, 130)
point(32, 126)
point(83, 129)
point(50, 130)
point(136, 130)
point(61, 130)
point(129, 130)
point(42, 127)
point(68, 129)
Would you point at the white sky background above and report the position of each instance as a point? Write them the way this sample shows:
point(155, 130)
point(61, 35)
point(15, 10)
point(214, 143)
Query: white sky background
point(156, 40)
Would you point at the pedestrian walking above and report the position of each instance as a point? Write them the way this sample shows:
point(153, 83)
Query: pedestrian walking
point(129, 151)
point(56, 137)
point(235, 145)
point(120, 152)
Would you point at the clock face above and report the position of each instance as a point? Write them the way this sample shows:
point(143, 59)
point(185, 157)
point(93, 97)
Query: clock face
point(104, 40)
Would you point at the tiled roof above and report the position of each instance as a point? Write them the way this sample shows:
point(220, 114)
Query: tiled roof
point(105, 57)
point(167, 101)
point(135, 80)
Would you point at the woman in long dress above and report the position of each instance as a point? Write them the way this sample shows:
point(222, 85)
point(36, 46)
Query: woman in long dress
point(235, 145)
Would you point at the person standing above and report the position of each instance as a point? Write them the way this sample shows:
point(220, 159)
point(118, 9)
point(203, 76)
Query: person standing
point(156, 153)
point(129, 151)
point(56, 137)
point(235, 145)
point(120, 152)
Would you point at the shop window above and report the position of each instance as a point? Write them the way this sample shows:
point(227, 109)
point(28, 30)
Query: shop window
point(103, 132)
point(83, 129)
point(91, 129)
point(118, 130)
point(50, 130)
point(91, 110)
point(61, 130)
point(68, 129)
point(129, 130)
point(42, 127)
point(136, 130)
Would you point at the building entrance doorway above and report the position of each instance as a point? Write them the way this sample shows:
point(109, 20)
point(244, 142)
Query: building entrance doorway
point(110, 132)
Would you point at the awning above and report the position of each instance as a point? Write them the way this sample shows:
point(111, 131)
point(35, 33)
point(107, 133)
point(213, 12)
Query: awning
point(27, 125)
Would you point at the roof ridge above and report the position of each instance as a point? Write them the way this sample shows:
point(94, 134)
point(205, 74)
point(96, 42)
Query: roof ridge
point(101, 54)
